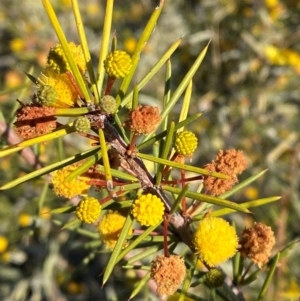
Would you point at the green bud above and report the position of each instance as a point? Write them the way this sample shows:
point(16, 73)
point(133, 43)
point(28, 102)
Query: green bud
point(108, 104)
point(215, 277)
point(82, 124)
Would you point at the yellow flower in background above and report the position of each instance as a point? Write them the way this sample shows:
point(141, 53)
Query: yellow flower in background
point(25, 219)
point(130, 44)
point(148, 209)
point(17, 45)
point(110, 228)
point(68, 189)
point(215, 241)
point(3, 244)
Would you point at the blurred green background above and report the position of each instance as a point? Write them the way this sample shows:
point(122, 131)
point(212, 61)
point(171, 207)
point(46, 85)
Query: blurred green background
point(247, 88)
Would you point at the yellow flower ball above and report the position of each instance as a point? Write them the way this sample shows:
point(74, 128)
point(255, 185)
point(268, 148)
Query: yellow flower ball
point(185, 143)
point(56, 90)
point(148, 209)
point(69, 189)
point(215, 241)
point(117, 64)
point(88, 210)
point(3, 244)
point(57, 60)
point(110, 228)
point(25, 219)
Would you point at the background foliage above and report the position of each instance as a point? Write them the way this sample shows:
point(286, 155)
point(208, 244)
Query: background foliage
point(247, 88)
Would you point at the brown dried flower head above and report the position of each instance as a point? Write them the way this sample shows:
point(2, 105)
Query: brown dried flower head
point(229, 162)
point(257, 243)
point(34, 120)
point(168, 273)
point(143, 119)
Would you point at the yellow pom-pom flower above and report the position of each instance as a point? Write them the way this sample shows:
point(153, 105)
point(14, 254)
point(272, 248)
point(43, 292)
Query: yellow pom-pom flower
point(68, 189)
point(117, 64)
point(148, 209)
point(185, 143)
point(56, 90)
point(215, 241)
point(25, 220)
point(3, 244)
point(110, 228)
point(88, 210)
point(57, 60)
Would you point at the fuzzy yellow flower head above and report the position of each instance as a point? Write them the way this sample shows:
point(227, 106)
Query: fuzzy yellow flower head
point(110, 228)
point(57, 60)
point(148, 209)
point(88, 210)
point(3, 244)
point(185, 143)
point(72, 188)
point(56, 90)
point(215, 241)
point(117, 64)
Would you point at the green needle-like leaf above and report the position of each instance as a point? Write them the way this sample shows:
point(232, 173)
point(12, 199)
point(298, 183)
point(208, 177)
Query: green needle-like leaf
point(152, 71)
point(250, 204)
point(182, 166)
point(140, 285)
point(118, 247)
point(139, 48)
point(64, 44)
point(207, 199)
point(161, 135)
point(165, 151)
point(186, 103)
point(49, 168)
point(268, 278)
point(85, 49)
point(90, 161)
point(137, 241)
point(62, 131)
point(105, 159)
point(182, 86)
point(104, 43)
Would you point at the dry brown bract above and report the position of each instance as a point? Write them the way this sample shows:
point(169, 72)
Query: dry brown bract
point(168, 273)
point(228, 162)
point(34, 120)
point(257, 243)
point(143, 119)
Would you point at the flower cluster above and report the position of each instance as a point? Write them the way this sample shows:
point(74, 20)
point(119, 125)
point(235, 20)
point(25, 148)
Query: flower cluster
point(148, 209)
point(88, 210)
point(168, 273)
point(144, 119)
point(257, 243)
point(110, 228)
point(34, 120)
point(185, 143)
point(117, 64)
point(228, 162)
point(72, 188)
point(215, 241)
point(57, 60)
